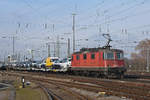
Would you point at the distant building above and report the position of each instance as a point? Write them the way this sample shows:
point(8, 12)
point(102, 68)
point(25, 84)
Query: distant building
point(11, 58)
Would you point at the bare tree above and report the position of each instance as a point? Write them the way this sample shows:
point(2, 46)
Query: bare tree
point(140, 59)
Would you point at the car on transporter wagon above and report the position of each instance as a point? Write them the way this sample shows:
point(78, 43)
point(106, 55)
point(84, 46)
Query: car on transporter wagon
point(49, 62)
point(62, 66)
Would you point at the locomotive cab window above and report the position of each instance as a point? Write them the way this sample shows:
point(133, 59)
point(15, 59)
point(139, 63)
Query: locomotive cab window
point(119, 55)
point(108, 55)
point(92, 56)
point(84, 56)
point(77, 57)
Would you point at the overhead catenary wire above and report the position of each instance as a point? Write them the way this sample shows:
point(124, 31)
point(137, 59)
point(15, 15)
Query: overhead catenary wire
point(120, 19)
point(113, 19)
point(110, 9)
point(119, 12)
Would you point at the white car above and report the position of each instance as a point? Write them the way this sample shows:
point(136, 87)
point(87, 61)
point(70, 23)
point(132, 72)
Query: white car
point(62, 66)
point(55, 60)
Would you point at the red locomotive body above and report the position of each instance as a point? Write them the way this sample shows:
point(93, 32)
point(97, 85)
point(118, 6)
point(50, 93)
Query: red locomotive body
point(98, 61)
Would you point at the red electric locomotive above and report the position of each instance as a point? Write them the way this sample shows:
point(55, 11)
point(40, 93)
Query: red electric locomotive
point(99, 61)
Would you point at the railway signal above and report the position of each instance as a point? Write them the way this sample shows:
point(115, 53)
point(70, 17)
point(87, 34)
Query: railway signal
point(23, 81)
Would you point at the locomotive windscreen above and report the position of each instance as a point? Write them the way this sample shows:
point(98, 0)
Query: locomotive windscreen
point(111, 55)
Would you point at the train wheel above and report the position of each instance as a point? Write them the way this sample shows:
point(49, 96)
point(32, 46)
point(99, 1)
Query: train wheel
point(106, 75)
point(96, 75)
point(120, 76)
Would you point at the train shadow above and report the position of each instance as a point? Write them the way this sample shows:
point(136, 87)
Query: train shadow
point(132, 76)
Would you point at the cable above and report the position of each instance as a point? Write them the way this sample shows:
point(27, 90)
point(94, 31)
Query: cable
point(122, 11)
point(128, 9)
point(103, 12)
point(125, 17)
point(28, 4)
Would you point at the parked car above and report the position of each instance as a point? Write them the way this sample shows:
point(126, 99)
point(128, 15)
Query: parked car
point(3, 66)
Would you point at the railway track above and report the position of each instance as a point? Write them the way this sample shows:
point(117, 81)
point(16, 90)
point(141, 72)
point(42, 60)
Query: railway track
point(136, 91)
point(50, 94)
point(51, 90)
point(136, 94)
point(64, 76)
point(54, 96)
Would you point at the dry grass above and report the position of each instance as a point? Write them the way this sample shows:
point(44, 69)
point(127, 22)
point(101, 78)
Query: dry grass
point(29, 93)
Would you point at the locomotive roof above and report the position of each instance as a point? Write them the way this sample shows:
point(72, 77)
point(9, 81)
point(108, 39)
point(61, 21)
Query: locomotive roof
point(96, 50)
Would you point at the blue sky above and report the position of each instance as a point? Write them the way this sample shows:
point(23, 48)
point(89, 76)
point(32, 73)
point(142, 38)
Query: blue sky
point(28, 18)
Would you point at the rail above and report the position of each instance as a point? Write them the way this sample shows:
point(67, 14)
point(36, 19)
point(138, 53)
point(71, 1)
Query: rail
point(51, 95)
